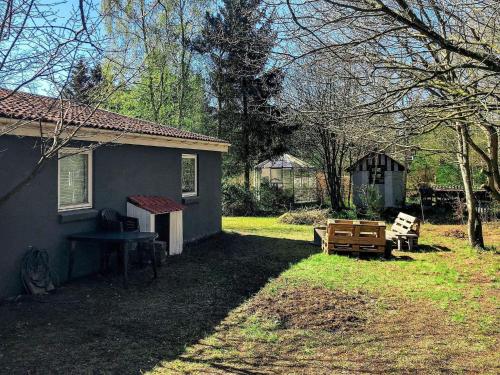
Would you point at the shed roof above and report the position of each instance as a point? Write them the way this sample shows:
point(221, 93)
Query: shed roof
point(154, 204)
point(23, 106)
point(284, 161)
point(371, 156)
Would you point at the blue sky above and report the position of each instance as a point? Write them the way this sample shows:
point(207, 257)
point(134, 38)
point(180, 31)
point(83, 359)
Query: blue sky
point(36, 45)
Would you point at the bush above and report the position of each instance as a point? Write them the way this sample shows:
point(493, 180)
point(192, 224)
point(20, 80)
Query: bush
point(273, 200)
point(236, 201)
point(371, 202)
point(305, 217)
point(315, 216)
point(349, 214)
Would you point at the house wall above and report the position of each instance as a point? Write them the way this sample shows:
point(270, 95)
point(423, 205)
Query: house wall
point(30, 217)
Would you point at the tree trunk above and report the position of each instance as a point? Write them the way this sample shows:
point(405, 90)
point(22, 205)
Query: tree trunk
point(184, 65)
point(474, 227)
point(246, 140)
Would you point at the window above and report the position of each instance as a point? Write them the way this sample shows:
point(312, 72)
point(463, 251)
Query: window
point(74, 179)
point(189, 175)
point(376, 175)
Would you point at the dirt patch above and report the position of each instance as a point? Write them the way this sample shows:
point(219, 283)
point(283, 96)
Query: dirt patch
point(455, 233)
point(314, 308)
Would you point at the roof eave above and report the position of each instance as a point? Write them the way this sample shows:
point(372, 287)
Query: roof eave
point(30, 128)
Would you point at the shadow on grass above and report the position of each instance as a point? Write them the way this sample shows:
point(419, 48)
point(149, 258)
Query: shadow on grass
point(375, 257)
point(94, 326)
point(431, 249)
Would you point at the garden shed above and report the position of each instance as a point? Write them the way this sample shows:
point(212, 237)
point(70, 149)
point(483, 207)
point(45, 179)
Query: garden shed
point(384, 173)
point(290, 174)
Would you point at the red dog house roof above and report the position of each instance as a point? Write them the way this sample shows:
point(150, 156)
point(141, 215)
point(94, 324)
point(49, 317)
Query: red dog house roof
point(154, 204)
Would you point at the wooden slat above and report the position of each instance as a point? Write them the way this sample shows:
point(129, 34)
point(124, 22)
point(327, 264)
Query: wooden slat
point(355, 236)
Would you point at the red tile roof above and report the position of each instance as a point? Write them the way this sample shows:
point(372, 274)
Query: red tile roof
point(155, 205)
point(20, 105)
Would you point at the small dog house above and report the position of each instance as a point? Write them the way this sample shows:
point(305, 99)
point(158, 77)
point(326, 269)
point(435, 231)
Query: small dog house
point(288, 173)
point(161, 215)
point(382, 172)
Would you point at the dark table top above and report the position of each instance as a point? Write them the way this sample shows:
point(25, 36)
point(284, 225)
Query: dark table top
point(113, 236)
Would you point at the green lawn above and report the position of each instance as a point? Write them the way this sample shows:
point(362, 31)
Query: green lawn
point(260, 299)
point(431, 311)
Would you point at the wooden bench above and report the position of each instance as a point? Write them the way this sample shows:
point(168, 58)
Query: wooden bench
point(405, 230)
point(354, 236)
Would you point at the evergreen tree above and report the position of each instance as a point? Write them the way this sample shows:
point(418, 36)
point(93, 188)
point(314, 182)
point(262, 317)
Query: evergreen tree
point(239, 41)
point(83, 83)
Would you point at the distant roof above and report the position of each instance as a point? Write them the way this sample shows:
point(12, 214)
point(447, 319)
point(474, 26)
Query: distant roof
point(154, 204)
point(24, 106)
point(283, 161)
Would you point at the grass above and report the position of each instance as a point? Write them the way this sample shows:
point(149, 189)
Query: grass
point(434, 310)
point(266, 227)
point(259, 299)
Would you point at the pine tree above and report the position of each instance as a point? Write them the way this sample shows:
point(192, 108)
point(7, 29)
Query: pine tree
point(83, 83)
point(239, 41)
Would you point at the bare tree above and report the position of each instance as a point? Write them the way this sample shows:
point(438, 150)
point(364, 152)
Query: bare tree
point(323, 98)
point(161, 33)
point(39, 47)
point(436, 64)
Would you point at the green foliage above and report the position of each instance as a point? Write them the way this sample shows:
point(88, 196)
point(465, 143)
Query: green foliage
point(237, 42)
point(273, 200)
point(84, 83)
point(135, 101)
point(448, 174)
point(237, 201)
point(422, 171)
point(165, 87)
point(371, 202)
point(441, 169)
point(349, 214)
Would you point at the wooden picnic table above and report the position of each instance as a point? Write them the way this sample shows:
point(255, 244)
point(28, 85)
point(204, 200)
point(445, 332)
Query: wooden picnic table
point(122, 238)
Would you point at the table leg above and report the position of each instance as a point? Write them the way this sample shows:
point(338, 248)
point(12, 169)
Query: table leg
point(400, 243)
point(104, 258)
point(153, 259)
point(125, 265)
point(410, 244)
point(72, 247)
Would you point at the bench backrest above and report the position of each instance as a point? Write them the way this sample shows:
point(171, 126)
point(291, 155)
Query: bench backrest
point(406, 224)
point(348, 221)
point(364, 234)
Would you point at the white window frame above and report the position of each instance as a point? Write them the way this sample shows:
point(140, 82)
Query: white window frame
point(75, 151)
point(195, 192)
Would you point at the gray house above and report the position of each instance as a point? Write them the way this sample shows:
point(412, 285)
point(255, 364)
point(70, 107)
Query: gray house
point(383, 173)
point(139, 158)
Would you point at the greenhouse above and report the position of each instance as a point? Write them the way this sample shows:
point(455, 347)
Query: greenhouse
point(290, 174)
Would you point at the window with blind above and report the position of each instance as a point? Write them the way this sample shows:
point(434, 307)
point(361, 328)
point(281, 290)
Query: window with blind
point(189, 175)
point(75, 179)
